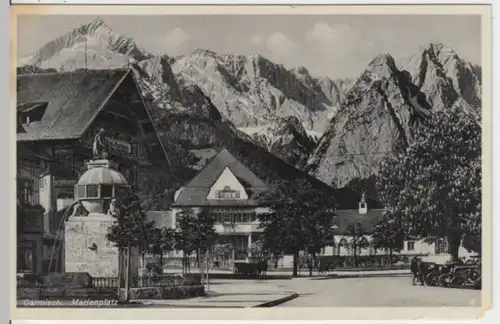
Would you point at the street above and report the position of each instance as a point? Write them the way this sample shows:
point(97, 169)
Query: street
point(384, 292)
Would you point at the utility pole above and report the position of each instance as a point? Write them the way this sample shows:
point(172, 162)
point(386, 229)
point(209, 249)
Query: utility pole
point(208, 268)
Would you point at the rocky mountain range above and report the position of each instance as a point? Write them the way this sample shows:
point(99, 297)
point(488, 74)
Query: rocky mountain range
point(336, 129)
point(252, 91)
point(383, 108)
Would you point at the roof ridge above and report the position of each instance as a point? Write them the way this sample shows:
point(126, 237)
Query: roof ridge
point(204, 167)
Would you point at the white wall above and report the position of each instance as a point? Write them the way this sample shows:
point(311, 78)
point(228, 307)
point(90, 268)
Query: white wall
point(420, 247)
point(227, 178)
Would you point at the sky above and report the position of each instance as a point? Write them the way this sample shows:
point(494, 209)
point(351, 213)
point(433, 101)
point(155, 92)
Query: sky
point(337, 46)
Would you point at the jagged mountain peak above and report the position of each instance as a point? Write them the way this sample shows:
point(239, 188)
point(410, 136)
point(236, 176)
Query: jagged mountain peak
point(95, 25)
point(381, 66)
point(303, 74)
point(385, 107)
point(93, 43)
point(204, 52)
point(302, 70)
point(252, 91)
point(444, 77)
point(383, 59)
point(439, 48)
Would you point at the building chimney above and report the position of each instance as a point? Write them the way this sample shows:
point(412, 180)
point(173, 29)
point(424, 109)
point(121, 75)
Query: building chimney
point(363, 206)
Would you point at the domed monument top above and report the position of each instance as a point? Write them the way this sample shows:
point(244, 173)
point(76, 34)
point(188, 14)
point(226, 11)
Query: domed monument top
point(102, 181)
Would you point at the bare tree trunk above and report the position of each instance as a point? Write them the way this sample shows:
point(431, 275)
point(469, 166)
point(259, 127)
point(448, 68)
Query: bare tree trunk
point(354, 254)
point(208, 270)
point(295, 263)
point(120, 272)
point(201, 264)
point(127, 274)
point(183, 262)
point(454, 242)
point(390, 257)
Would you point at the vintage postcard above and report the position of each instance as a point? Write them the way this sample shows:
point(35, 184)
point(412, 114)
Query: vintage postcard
point(264, 162)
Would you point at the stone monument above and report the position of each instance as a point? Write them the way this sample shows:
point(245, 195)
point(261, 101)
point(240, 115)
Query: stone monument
point(86, 247)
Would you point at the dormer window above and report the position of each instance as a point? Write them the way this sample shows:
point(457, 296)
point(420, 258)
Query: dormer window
point(31, 112)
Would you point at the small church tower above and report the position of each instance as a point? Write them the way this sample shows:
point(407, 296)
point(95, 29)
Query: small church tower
point(363, 206)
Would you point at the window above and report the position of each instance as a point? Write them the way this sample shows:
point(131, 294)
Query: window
point(441, 247)
point(106, 191)
point(410, 246)
point(363, 244)
point(27, 191)
point(227, 193)
point(342, 246)
point(363, 206)
point(32, 111)
point(80, 191)
point(25, 257)
point(92, 191)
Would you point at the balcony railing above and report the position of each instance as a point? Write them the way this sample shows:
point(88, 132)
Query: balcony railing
point(237, 228)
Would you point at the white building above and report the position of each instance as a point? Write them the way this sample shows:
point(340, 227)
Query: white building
point(229, 189)
point(367, 218)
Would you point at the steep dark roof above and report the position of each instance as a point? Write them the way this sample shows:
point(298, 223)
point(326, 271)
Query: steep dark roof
point(73, 100)
point(344, 218)
point(196, 191)
point(270, 168)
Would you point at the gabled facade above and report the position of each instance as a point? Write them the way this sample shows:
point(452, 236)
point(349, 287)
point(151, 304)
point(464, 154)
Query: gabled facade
point(229, 189)
point(58, 118)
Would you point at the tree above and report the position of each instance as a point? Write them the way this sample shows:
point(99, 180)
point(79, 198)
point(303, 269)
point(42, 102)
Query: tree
point(472, 243)
point(130, 229)
point(356, 234)
point(161, 240)
point(388, 234)
point(194, 233)
point(300, 218)
point(435, 184)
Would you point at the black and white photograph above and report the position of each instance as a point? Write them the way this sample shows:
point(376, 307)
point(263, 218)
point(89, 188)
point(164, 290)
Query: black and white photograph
point(251, 161)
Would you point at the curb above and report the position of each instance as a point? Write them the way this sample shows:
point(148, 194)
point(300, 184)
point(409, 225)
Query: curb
point(381, 275)
point(277, 302)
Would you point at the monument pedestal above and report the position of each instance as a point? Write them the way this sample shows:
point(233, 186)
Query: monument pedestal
point(88, 250)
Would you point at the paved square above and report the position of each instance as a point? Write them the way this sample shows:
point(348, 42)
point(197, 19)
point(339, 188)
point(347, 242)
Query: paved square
point(383, 292)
